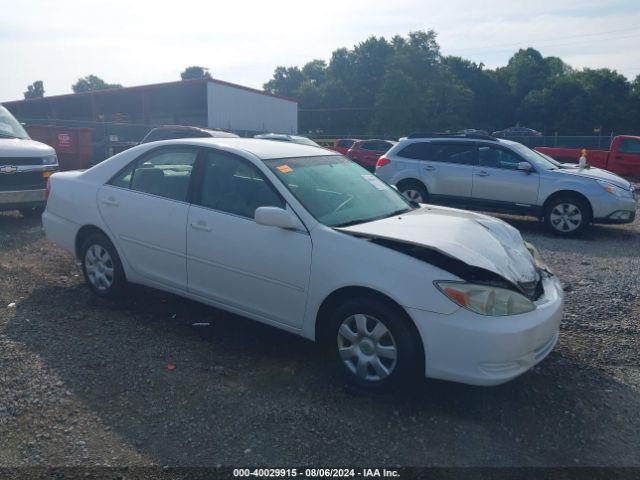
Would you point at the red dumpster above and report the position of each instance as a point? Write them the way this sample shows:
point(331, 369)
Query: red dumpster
point(74, 145)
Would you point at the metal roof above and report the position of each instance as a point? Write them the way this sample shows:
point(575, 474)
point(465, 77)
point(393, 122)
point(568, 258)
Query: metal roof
point(115, 91)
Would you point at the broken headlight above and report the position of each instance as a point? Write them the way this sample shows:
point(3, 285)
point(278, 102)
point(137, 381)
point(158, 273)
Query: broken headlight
point(537, 258)
point(485, 299)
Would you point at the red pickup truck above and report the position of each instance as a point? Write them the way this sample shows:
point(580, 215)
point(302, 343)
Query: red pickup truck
point(623, 158)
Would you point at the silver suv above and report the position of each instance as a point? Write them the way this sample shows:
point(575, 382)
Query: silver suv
point(482, 172)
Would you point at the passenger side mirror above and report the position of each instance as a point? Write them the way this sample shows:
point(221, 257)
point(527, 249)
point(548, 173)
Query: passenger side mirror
point(525, 167)
point(275, 217)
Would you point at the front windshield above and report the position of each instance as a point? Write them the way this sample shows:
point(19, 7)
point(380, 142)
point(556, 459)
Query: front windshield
point(337, 191)
point(534, 157)
point(9, 126)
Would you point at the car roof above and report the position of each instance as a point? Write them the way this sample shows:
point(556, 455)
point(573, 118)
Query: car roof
point(376, 140)
point(500, 141)
point(280, 136)
point(261, 148)
point(192, 128)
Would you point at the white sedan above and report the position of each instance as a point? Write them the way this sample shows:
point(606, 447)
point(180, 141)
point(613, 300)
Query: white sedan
point(305, 240)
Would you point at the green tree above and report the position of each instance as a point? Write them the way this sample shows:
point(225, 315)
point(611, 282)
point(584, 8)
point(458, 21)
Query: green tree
point(195, 72)
point(400, 105)
point(92, 83)
point(404, 84)
point(607, 94)
point(35, 90)
point(525, 71)
point(315, 71)
point(491, 101)
point(285, 81)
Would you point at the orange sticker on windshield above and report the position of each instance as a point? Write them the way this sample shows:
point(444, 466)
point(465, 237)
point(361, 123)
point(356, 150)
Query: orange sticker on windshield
point(285, 169)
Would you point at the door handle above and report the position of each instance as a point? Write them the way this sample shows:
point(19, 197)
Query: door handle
point(429, 167)
point(200, 225)
point(618, 157)
point(110, 201)
point(482, 173)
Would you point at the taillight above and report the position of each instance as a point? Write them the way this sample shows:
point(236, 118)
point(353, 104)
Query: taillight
point(382, 161)
point(47, 190)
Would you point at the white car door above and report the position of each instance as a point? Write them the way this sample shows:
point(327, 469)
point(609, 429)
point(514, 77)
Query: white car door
point(260, 270)
point(146, 207)
point(446, 169)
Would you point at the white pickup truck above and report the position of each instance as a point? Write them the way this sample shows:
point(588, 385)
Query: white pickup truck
point(25, 166)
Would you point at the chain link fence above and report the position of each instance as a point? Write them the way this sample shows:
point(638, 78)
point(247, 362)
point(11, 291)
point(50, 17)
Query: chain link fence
point(109, 138)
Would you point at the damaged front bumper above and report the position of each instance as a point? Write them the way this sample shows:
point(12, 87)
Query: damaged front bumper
point(479, 350)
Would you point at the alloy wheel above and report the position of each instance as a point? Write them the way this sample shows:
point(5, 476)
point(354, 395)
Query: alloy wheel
point(565, 217)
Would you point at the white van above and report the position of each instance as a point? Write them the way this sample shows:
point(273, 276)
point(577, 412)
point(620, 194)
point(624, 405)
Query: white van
point(25, 166)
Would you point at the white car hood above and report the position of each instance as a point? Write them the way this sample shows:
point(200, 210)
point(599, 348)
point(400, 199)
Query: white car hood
point(477, 240)
point(18, 147)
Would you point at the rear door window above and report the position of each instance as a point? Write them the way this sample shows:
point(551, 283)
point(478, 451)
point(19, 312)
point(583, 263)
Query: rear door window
point(459, 153)
point(165, 173)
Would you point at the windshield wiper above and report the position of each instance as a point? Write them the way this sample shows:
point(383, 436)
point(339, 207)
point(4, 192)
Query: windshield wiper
point(373, 219)
point(354, 222)
point(7, 135)
point(398, 212)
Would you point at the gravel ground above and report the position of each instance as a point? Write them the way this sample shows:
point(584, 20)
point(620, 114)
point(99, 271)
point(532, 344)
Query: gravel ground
point(85, 382)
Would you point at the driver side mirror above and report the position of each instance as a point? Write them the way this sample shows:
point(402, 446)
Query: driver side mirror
point(525, 167)
point(275, 217)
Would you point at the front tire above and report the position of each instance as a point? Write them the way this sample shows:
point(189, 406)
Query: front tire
point(567, 215)
point(101, 267)
point(374, 345)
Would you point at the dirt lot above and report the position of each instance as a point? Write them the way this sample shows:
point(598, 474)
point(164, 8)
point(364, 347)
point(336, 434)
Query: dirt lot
point(85, 382)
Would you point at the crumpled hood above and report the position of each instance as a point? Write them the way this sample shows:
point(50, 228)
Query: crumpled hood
point(18, 147)
point(594, 173)
point(475, 239)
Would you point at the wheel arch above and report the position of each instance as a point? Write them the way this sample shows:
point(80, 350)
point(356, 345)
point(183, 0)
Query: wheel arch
point(344, 293)
point(85, 232)
point(567, 193)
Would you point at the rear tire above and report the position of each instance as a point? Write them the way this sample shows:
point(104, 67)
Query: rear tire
point(567, 215)
point(102, 268)
point(373, 344)
point(33, 212)
point(414, 192)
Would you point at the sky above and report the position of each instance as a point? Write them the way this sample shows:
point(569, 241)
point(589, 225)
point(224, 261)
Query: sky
point(135, 42)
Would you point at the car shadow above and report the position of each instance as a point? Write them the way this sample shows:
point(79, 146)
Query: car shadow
point(17, 231)
point(228, 390)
